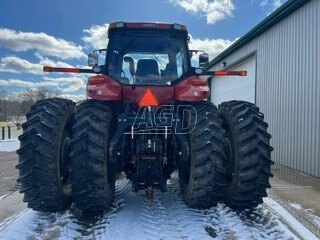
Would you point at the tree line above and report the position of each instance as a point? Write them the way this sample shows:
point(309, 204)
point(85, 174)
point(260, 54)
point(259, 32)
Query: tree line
point(14, 106)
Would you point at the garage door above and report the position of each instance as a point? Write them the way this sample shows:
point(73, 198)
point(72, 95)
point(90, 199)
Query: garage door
point(235, 88)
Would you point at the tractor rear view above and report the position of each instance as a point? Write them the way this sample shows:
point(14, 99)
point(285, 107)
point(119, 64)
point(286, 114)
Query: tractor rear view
point(146, 115)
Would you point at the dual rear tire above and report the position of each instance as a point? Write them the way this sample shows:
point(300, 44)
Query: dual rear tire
point(92, 171)
point(43, 155)
point(248, 154)
point(55, 170)
point(202, 177)
point(230, 157)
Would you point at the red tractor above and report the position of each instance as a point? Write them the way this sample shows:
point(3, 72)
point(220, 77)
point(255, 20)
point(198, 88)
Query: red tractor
point(146, 115)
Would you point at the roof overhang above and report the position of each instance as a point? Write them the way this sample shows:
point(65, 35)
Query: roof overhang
point(281, 13)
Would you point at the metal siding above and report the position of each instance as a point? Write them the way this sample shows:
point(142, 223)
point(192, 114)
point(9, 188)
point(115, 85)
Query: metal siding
point(288, 88)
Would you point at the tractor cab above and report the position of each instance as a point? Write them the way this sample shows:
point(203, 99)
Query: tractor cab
point(147, 54)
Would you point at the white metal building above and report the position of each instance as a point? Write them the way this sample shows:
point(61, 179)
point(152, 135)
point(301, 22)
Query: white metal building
point(282, 56)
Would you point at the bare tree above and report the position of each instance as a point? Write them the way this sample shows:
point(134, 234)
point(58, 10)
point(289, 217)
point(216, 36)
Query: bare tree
point(18, 105)
point(3, 95)
point(13, 110)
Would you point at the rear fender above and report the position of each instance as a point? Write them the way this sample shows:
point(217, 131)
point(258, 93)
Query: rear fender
point(192, 89)
point(103, 87)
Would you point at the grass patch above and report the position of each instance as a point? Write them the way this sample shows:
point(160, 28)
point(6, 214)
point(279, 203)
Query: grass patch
point(4, 124)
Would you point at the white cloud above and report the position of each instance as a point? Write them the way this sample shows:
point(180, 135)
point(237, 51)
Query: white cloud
point(65, 84)
point(212, 46)
point(27, 84)
point(51, 63)
point(271, 3)
point(263, 3)
point(42, 43)
point(15, 64)
point(97, 36)
point(65, 80)
point(74, 88)
point(74, 97)
point(277, 4)
point(70, 84)
point(214, 10)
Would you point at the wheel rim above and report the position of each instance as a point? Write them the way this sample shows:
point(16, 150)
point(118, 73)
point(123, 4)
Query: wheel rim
point(185, 170)
point(230, 155)
point(64, 163)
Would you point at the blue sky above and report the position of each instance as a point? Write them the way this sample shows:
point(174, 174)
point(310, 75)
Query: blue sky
point(35, 33)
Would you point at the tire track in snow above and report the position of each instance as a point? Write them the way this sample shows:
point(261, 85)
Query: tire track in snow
point(152, 216)
point(36, 225)
point(250, 224)
point(94, 227)
point(131, 216)
point(181, 222)
point(167, 217)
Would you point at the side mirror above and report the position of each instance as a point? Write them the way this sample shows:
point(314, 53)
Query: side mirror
point(92, 59)
point(203, 59)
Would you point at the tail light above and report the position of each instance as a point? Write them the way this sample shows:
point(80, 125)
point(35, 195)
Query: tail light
point(97, 80)
point(199, 81)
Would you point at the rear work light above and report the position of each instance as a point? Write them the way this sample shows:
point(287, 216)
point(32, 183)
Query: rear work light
point(179, 27)
point(117, 25)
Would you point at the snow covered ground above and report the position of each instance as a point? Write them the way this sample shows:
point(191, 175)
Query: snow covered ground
point(295, 224)
point(133, 217)
point(3, 197)
point(315, 219)
point(9, 145)
point(166, 217)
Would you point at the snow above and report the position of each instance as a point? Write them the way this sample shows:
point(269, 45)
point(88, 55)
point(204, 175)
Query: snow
point(309, 212)
point(131, 216)
point(296, 206)
point(3, 197)
point(9, 145)
point(295, 224)
point(317, 220)
point(314, 218)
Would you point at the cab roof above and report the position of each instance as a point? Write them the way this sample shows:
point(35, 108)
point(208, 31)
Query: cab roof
point(146, 26)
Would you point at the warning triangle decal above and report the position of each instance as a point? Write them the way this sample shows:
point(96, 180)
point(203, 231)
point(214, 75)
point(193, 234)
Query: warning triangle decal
point(148, 99)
